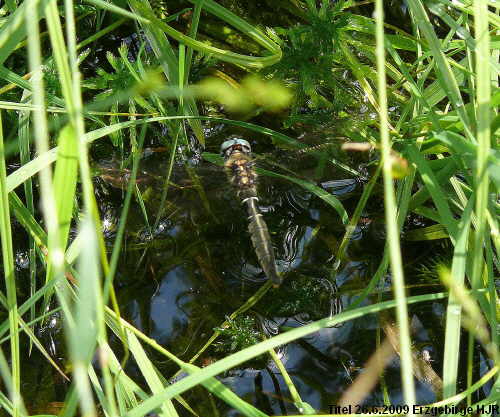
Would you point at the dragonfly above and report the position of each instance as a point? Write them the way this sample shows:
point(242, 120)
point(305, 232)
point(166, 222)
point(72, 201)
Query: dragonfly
point(239, 167)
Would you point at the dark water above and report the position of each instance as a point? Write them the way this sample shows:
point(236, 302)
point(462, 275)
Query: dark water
point(181, 280)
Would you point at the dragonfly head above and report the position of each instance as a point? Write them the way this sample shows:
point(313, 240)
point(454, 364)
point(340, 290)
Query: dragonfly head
point(235, 144)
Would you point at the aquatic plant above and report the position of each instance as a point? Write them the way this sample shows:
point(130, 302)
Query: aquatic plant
point(311, 55)
point(240, 333)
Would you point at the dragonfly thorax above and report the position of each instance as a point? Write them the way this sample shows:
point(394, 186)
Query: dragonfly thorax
point(239, 167)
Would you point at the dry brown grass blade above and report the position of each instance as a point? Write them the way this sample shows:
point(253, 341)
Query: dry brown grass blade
point(368, 379)
point(421, 367)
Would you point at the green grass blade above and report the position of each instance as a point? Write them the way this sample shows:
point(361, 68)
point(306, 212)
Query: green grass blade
point(117, 10)
point(328, 198)
point(60, 53)
point(193, 30)
point(10, 281)
point(446, 77)
point(351, 227)
point(359, 72)
point(55, 253)
point(434, 232)
point(65, 179)
point(13, 30)
point(435, 190)
point(170, 64)
point(434, 92)
point(245, 307)
point(148, 371)
point(24, 155)
point(253, 351)
point(27, 220)
point(123, 217)
point(481, 177)
point(41, 348)
point(101, 33)
point(467, 7)
point(453, 311)
point(303, 407)
point(421, 196)
point(83, 333)
point(6, 403)
point(228, 56)
point(250, 30)
point(391, 219)
point(212, 384)
point(15, 79)
point(126, 388)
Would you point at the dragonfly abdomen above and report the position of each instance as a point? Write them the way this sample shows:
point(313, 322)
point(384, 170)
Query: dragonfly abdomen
point(261, 240)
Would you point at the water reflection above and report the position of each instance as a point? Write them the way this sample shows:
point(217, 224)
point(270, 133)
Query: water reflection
point(212, 270)
point(168, 314)
point(181, 280)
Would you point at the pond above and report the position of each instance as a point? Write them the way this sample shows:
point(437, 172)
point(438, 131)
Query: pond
point(179, 280)
point(188, 277)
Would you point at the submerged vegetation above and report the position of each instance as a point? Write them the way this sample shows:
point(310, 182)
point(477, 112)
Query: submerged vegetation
point(131, 285)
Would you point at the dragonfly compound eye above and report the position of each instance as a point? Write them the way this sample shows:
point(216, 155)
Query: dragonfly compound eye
point(229, 146)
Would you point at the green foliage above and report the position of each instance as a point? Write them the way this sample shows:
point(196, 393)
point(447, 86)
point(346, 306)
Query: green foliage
point(311, 56)
point(432, 94)
point(107, 83)
point(303, 295)
point(429, 269)
point(253, 93)
point(160, 8)
point(240, 333)
point(51, 76)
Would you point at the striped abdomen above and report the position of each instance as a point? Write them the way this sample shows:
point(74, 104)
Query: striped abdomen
point(239, 168)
